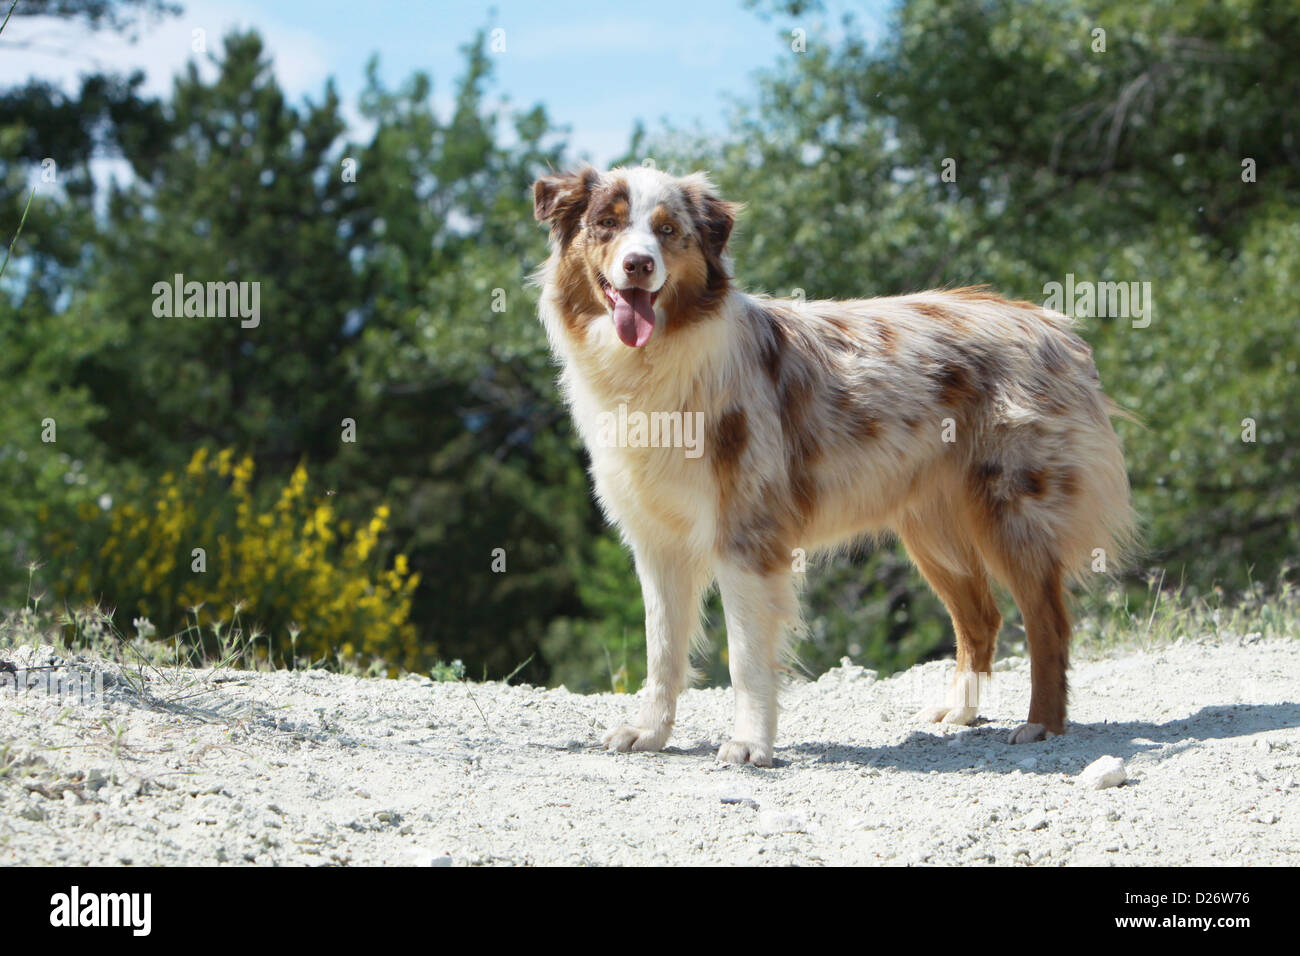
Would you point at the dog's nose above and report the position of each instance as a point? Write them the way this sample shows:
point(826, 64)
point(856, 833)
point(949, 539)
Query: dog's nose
point(637, 264)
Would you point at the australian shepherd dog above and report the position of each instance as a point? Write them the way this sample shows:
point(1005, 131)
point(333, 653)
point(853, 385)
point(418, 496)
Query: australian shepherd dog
point(972, 427)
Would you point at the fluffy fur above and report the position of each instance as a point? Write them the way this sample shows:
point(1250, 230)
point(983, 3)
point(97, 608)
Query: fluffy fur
point(973, 427)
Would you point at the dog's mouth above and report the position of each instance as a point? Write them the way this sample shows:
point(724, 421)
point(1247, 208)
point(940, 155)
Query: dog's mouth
point(634, 314)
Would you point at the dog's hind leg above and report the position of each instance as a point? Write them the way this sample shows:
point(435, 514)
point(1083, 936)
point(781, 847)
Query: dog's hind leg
point(672, 586)
point(762, 612)
point(956, 573)
point(1041, 600)
point(1017, 514)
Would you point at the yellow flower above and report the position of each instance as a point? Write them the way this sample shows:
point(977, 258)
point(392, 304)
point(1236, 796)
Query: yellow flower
point(242, 473)
point(197, 462)
point(294, 562)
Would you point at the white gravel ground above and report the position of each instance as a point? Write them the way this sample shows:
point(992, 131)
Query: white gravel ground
point(314, 768)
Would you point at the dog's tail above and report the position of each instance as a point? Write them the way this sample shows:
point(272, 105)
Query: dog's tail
point(1099, 534)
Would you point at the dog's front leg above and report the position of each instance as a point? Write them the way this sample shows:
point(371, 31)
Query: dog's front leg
point(672, 586)
point(761, 609)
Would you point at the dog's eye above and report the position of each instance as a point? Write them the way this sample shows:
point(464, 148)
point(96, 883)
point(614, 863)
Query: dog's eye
point(609, 222)
point(667, 229)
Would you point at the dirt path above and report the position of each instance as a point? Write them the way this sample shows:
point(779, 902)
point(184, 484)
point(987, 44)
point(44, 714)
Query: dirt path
point(315, 768)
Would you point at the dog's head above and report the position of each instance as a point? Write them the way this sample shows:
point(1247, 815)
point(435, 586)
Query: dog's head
point(637, 245)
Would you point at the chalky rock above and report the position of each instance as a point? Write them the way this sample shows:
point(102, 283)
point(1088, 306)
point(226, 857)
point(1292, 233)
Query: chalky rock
point(1102, 773)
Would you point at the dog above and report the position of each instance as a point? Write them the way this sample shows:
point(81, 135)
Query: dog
point(972, 427)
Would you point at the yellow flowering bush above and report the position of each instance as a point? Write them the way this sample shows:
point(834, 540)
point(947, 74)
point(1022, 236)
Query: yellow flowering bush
point(202, 539)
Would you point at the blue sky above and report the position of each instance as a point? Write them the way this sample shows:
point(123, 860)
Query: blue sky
point(597, 66)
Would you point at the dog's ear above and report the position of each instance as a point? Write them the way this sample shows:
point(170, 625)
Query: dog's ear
point(561, 200)
point(714, 216)
point(714, 219)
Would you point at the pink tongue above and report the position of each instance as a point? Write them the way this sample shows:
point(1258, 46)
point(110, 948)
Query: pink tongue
point(634, 317)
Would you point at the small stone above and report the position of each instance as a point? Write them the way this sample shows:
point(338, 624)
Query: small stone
point(734, 797)
point(776, 821)
point(420, 856)
point(1102, 773)
point(1029, 763)
point(1036, 820)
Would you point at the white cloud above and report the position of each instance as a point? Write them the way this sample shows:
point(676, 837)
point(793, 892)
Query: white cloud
point(61, 52)
point(681, 44)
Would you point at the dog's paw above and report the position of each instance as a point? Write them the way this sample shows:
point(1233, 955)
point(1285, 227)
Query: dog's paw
point(943, 714)
point(627, 738)
point(1027, 734)
point(742, 752)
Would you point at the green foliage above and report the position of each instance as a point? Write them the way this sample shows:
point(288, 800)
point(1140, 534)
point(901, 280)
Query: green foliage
point(99, 14)
point(1217, 362)
point(444, 672)
point(459, 422)
point(374, 291)
point(245, 189)
point(604, 650)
